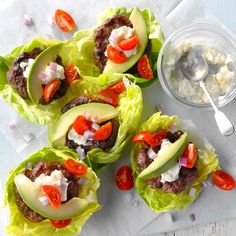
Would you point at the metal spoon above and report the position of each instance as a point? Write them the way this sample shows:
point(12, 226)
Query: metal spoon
point(195, 68)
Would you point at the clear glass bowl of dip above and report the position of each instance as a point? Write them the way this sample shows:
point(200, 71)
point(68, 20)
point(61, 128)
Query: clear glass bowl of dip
point(218, 49)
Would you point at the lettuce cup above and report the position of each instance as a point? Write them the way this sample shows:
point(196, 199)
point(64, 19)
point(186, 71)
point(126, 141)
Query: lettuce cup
point(50, 193)
point(36, 78)
point(124, 41)
point(98, 125)
point(169, 163)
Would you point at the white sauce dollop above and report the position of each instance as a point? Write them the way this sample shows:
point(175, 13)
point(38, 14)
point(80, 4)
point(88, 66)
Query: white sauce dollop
point(51, 75)
point(25, 66)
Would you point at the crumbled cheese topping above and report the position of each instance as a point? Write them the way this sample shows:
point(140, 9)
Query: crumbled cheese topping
point(51, 74)
point(26, 66)
point(171, 175)
point(77, 138)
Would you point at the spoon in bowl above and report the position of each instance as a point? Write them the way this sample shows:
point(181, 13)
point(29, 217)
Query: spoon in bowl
point(195, 68)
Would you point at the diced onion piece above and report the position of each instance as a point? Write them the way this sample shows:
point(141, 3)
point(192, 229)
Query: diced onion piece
point(87, 115)
point(95, 119)
point(151, 153)
point(88, 135)
point(204, 185)
point(192, 217)
point(42, 75)
point(95, 126)
point(53, 66)
point(28, 137)
point(12, 125)
point(27, 20)
point(183, 161)
point(44, 200)
point(192, 192)
point(172, 128)
point(80, 152)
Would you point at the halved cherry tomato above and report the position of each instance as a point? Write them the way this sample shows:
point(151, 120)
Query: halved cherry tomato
point(71, 73)
point(128, 44)
point(75, 167)
point(115, 55)
point(60, 223)
point(141, 137)
point(50, 89)
point(223, 180)
point(190, 153)
point(64, 20)
point(124, 178)
point(117, 88)
point(104, 132)
point(156, 139)
point(144, 68)
point(52, 194)
point(108, 96)
point(80, 125)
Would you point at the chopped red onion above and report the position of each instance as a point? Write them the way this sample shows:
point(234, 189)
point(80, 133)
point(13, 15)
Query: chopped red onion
point(28, 137)
point(53, 66)
point(204, 185)
point(44, 200)
point(183, 161)
point(172, 128)
point(81, 153)
point(192, 217)
point(95, 119)
point(151, 153)
point(42, 75)
point(87, 115)
point(95, 126)
point(192, 192)
point(12, 125)
point(88, 135)
point(27, 20)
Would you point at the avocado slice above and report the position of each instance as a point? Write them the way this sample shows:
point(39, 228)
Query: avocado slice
point(165, 159)
point(102, 111)
point(30, 194)
point(34, 84)
point(140, 27)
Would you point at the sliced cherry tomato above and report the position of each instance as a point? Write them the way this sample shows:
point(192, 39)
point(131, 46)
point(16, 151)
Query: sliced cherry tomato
point(50, 89)
point(75, 167)
point(156, 139)
point(64, 20)
point(190, 153)
point(71, 73)
point(108, 96)
point(53, 195)
point(141, 137)
point(124, 178)
point(144, 68)
point(223, 180)
point(60, 223)
point(117, 88)
point(128, 44)
point(80, 125)
point(115, 55)
point(104, 132)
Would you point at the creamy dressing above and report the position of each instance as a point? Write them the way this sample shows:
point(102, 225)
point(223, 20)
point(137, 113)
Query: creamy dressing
point(26, 66)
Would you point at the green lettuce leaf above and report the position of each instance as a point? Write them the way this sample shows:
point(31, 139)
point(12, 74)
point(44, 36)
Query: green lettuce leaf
point(85, 43)
point(19, 225)
point(160, 201)
point(40, 114)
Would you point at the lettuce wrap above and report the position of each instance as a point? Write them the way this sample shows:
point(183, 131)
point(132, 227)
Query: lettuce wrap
point(158, 200)
point(19, 225)
point(38, 113)
point(130, 106)
point(85, 43)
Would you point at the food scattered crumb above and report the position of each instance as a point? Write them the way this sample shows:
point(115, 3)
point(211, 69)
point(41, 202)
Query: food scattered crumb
point(192, 217)
point(28, 137)
point(12, 125)
point(28, 20)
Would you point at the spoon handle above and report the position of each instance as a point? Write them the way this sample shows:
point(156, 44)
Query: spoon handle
point(225, 126)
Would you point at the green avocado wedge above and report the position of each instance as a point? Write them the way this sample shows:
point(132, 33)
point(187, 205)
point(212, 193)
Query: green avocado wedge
point(140, 28)
point(101, 111)
point(166, 159)
point(30, 194)
point(34, 84)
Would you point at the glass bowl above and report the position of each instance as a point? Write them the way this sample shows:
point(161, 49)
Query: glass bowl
point(202, 36)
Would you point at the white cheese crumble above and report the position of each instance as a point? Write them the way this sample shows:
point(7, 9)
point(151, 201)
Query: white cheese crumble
point(25, 66)
point(165, 143)
point(57, 180)
point(74, 136)
point(171, 175)
point(51, 75)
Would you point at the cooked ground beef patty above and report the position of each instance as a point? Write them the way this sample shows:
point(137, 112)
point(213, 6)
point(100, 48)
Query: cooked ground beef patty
point(47, 168)
point(102, 34)
point(18, 81)
point(186, 175)
point(103, 144)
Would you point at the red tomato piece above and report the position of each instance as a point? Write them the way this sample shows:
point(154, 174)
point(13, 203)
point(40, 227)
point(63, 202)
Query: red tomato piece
point(156, 139)
point(124, 178)
point(104, 132)
point(128, 44)
point(64, 20)
point(117, 88)
point(80, 125)
point(141, 137)
point(60, 223)
point(190, 153)
point(108, 96)
point(71, 73)
point(53, 195)
point(115, 55)
point(144, 68)
point(75, 167)
point(50, 89)
point(223, 180)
